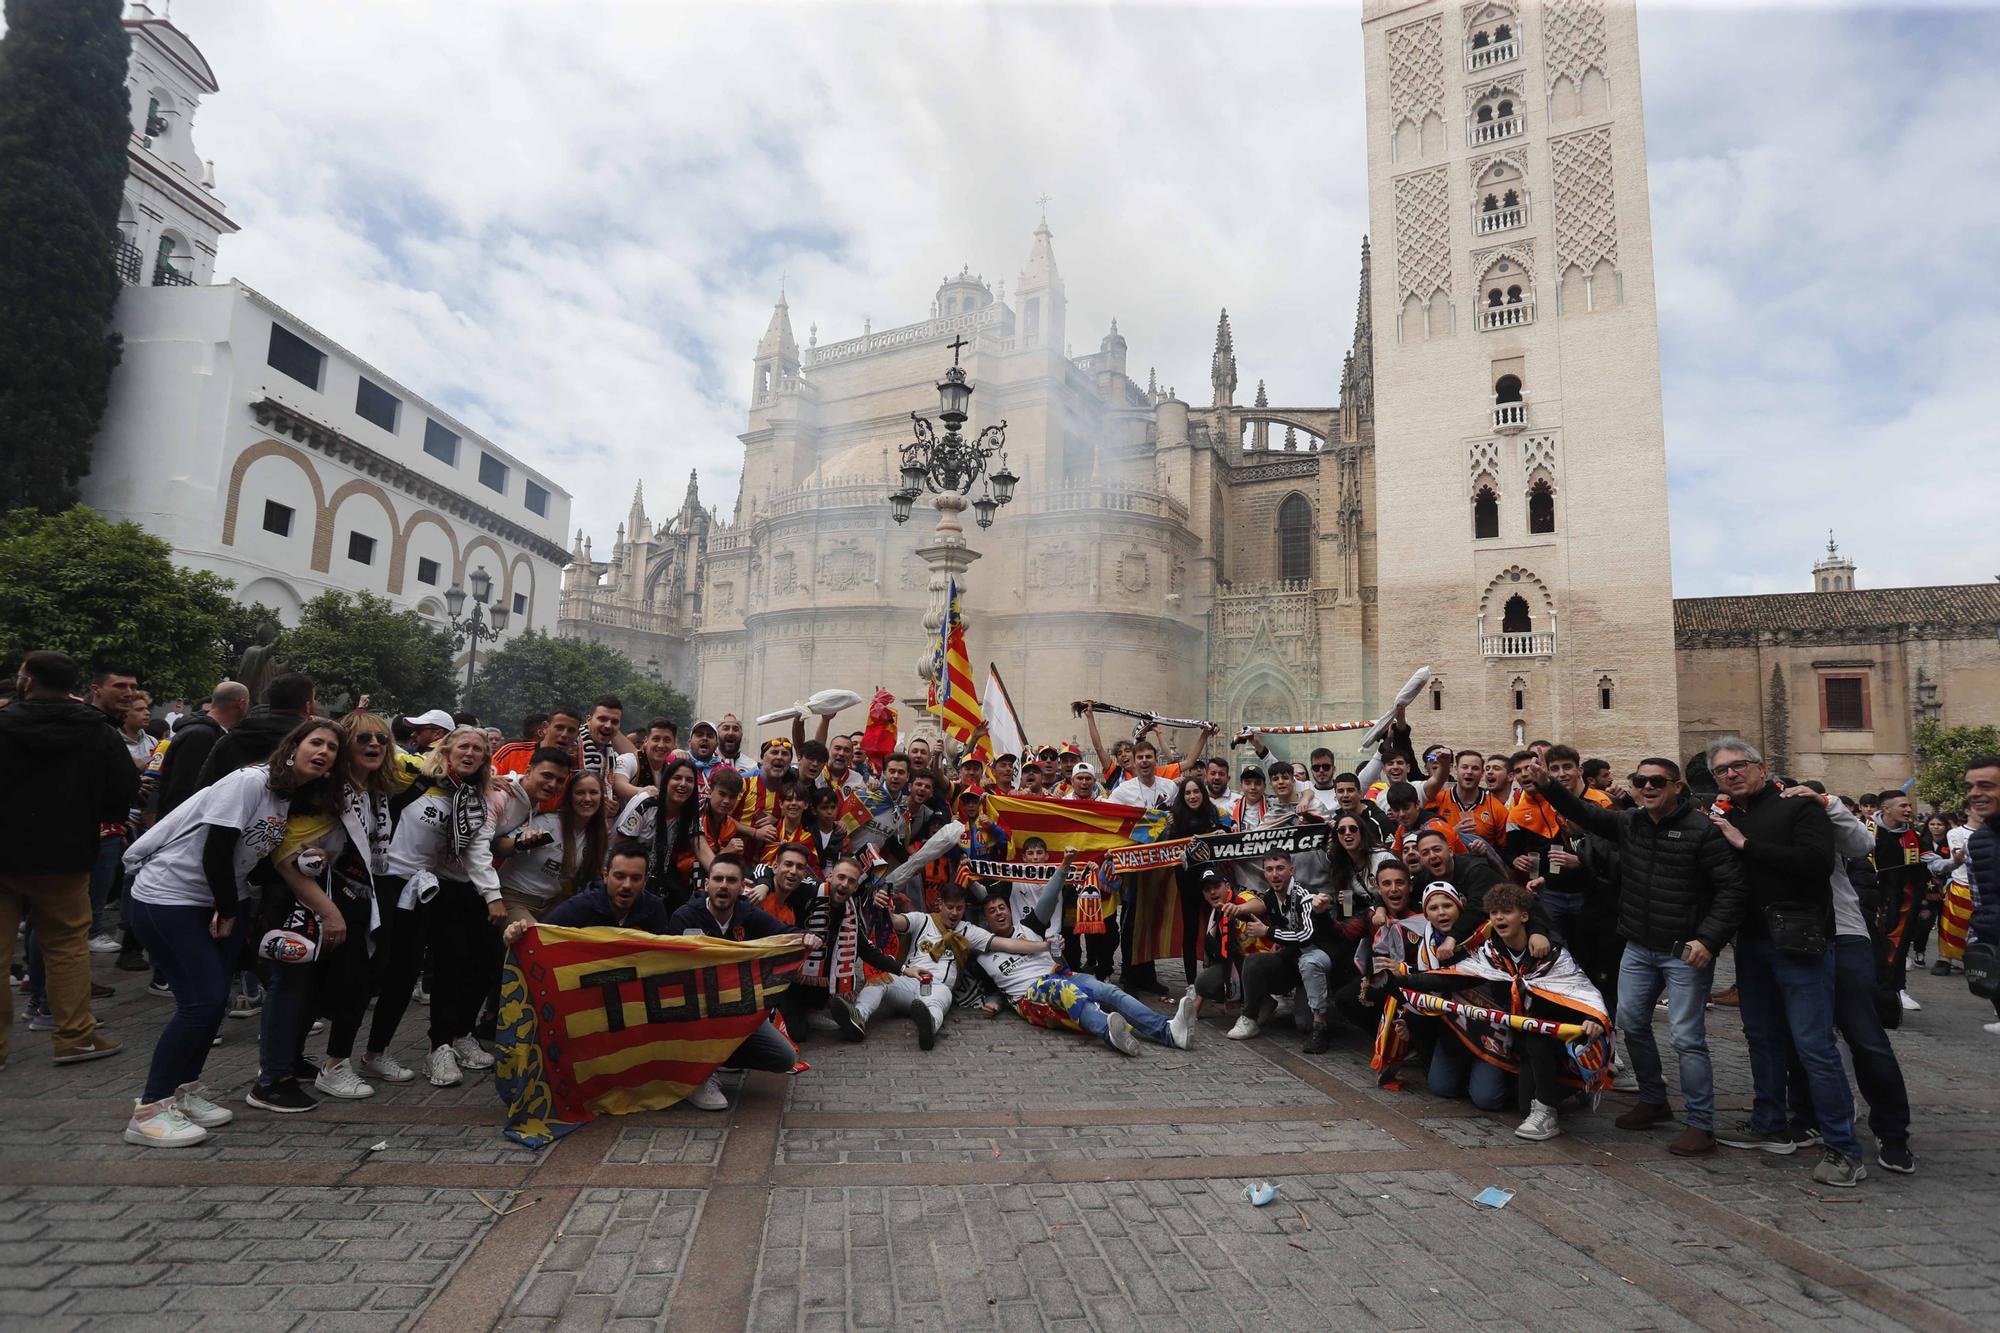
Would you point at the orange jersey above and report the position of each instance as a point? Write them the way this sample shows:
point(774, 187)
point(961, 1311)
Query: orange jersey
point(1489, 815)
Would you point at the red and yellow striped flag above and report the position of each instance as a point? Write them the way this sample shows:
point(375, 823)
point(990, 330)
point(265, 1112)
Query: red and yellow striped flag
point(1091, 827)
point(954, 696)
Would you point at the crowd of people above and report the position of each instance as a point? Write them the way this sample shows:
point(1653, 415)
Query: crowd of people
point(1504, 926)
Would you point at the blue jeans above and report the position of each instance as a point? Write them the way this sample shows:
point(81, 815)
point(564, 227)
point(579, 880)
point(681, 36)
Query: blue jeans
point(282, 1029)
point(1456, 1072)
point(1875, 1068)
point(1563, 909)
point(1642, 975)
point(1105, 999)
point(105, 877)
point(1787, 1002)
point(765, 1048)
point(197, 969)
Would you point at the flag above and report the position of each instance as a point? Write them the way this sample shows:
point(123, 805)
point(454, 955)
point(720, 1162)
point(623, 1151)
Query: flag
point(1090, 827)
point(1003, 724)
point(956, 698)
point(1153, 897)
point(613, 1021)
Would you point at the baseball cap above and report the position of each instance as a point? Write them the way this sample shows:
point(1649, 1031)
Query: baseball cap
point(1210, 875)
point(1083, 766)
point(970, 789)
point(1250, 771)
point(1445, 887)
point(699, 725)
point(436, 717)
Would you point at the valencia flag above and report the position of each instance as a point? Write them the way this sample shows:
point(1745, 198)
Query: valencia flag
point(955, 698)
point(1091, 827)
point(615, 1021)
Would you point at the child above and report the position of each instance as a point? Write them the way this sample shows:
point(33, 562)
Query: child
point(1235, 929)
point(1551, 989)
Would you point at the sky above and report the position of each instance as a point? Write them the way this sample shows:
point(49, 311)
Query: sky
point(567, 224)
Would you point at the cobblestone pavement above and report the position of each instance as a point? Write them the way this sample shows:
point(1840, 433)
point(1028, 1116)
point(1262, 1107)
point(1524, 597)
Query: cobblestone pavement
point(1010, 1179)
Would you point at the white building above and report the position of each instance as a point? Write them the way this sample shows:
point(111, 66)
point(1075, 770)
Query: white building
point(264, 451)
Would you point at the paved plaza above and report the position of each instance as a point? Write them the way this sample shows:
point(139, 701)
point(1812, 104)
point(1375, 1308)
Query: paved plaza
point(1012, 1178)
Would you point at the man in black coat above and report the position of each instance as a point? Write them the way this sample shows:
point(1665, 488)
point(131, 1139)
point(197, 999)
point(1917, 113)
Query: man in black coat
point(1785, 960)
point(62, 774)
point(194, 739)
point(288, 700)
point(1680, 896)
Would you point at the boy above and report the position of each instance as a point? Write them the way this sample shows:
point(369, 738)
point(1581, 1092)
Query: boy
point(1224, 941)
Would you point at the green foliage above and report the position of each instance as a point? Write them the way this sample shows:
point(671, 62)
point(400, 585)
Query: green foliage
point(533, 671)
point(1945, 750)
point(361, 644)
point(64, 120)
point(110, 594)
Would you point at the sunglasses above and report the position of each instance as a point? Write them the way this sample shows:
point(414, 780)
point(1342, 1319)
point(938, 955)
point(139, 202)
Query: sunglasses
point(1322, 768)
point(372, 739)
point(1650, 780)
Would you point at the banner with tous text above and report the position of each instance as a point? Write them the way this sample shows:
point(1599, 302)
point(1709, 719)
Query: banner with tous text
point(609, 1021)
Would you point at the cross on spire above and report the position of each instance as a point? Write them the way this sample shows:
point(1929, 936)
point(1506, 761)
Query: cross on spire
point(956, 346)
point(1043, 201)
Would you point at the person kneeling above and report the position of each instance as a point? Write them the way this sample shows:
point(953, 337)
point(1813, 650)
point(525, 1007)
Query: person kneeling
point(939, 944)
point(621, 900)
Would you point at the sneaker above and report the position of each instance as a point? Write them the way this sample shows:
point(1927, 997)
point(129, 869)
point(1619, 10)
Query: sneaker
point(1246, 1028)
point(471, 1055)
point(1725, 998)
point(1540, 1124)
point(160, 1124)
point(387, 1068)
point(1805, 1136)
point(318, 1026)
point(1622, 1077)
point(1645, 1115)
point(1940, 968)
point(40, 1019)
point(846, 1017)
point(926, 1027)
point(285, 1097)
point(1692, 1143)
point(1909, 1001)
point(159, 986)
point(1181, 1026)
point(98, 992)
point(1836, 1168)
point(245, 1004)
point(1916, 960)
point(421, 995)
point(1897, 1157)
point(96, 1048)
point(441, 1068)
point(132, 960)
point(709, 1096)
point(1118, 1035)
point(191, 1100)
point(1742, 1135)
point(1321, 1040)
point(105, 944)
point(1992, 1028)
point(338, 1079)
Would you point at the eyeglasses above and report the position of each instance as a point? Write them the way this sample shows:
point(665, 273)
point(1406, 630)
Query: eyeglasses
point(1733, 766)
point(1322, 768)
point(1650, 780)
point(1346, 829)
point(371, 739)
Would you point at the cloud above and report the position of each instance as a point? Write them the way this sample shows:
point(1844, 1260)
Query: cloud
point(566, 224)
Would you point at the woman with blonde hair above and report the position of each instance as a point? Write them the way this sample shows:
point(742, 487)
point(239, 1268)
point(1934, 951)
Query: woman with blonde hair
point(447, 896)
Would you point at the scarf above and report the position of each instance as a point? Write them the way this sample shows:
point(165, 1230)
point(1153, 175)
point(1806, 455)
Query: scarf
point(837, 966)
point(1244, 736)
point(371, 813)
point(1147, 720)
point(468, 811)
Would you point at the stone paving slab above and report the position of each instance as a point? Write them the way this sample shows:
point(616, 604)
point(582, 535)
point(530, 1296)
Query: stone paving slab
point(1212, 1137)
point(615, 1258)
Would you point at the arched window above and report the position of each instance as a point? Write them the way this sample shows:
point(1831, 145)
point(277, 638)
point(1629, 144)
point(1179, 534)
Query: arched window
point(1502, 33)
point(1514, 294)
point(1479, 41)
point(1485, 114)
point(1604, 693)
point(1295, 523)
point(1505, 109)
point(1493, 297)
point(1514, 619)
point(1541, 507)
point(1437, 696)
point(1520, 688)
point(1513, 198)
point(1507, 389)
point(1485, 513)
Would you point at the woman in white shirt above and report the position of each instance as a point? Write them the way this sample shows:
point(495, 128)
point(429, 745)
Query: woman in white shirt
point(190, 897)
point(440, 863)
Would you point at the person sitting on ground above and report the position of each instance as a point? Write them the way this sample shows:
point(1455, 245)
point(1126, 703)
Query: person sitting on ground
point(1225, 943)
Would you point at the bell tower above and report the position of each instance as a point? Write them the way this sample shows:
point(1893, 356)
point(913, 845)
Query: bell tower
point(170, 219)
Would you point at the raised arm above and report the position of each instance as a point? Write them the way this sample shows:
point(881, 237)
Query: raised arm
point(1096, 741)
point(1591, 817)
point(1049, 904)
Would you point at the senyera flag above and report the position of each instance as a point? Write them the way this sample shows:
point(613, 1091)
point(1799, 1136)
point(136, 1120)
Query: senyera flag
point(1091, 828)
point(614, 1021)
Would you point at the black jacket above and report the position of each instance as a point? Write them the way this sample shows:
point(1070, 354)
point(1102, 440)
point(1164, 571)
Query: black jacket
point(64, 770)
point(1787, 854)
point(592, 907)
point(1471, 875)
point(1679, 879)
point(193, 741)
point(250, 741)
point(1982, 854)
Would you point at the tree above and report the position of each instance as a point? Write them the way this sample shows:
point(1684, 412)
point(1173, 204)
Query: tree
point(1942, 753)
point(110, 594)
point(361, 644)
point(533, 671)
point(64, 122)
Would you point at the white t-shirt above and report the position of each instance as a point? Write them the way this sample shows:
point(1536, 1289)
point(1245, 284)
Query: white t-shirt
point(1324, 801)
point(141, 749)
point(1013, 973)
point(1134, 792)
point(166, 862)
point(536, 872)
point(927, 950)
point(1958, 840)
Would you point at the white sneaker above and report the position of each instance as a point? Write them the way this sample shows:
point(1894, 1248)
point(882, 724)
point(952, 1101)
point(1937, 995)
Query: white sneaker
point(1540, 1124)
point(1622, 1077)
point(420, 995)
point(105, 944)
point(160, 1124)
point(441, 1068)
point(387, 1068)
point(709, 1096)
point(338, 1079)
point(1118, 1032)
point(1993, 1028)
point(1909, 1001)
point(471, 1055)
point(1246, 1027)
point(191, 1103)
point(1181, 1026)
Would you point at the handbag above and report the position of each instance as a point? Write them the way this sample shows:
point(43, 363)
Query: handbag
point(1800, 932)
point(1982, 969)
point(294, 939)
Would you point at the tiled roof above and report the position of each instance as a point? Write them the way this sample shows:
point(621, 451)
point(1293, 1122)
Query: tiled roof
point(1808, 614)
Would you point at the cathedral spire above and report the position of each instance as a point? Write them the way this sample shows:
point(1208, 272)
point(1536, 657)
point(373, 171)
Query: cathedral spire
point(692, 501)
point(1222, 367)
point(635, 521)
point(1263, 399)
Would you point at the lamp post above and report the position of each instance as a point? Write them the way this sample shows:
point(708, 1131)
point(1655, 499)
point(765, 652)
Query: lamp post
point(948, 465)
point(475, 626)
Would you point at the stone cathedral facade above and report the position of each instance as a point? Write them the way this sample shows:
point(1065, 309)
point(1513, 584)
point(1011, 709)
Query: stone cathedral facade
point(1251, 561)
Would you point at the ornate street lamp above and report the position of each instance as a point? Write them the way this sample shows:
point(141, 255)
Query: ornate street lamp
point(477, 626)
point(949, 465)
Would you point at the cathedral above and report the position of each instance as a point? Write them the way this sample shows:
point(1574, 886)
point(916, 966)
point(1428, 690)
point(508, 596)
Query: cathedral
point(1485, 494)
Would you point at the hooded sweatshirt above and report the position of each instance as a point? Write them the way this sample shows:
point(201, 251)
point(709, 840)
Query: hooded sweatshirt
point(64, 771)
point(250, 741)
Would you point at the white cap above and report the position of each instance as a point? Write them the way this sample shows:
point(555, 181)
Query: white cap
point(437, 717)
point(1083, 766)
